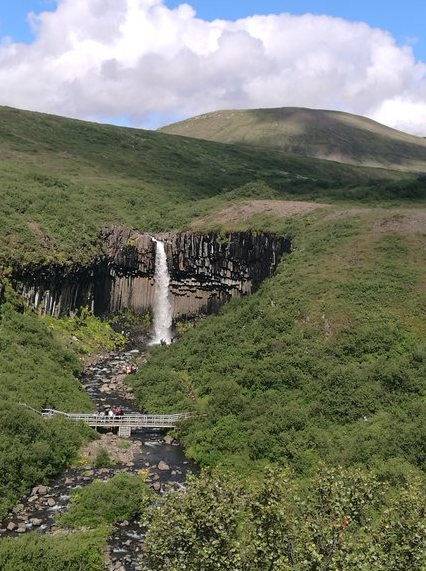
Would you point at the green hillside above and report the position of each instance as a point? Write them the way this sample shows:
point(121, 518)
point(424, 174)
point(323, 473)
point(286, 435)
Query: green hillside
point(319, 376)
point(62, 180)
point(330, 135)
point(327, 361)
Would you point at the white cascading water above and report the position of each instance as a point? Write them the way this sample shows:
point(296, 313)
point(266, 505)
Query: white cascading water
point(162, 310)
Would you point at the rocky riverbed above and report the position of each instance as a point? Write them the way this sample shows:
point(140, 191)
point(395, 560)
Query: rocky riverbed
point(153, 451)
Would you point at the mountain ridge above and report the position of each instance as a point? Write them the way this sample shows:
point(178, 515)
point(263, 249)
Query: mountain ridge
point(322, 134)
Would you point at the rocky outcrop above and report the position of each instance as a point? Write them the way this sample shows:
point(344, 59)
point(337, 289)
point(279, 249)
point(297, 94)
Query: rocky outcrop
point(206, 270)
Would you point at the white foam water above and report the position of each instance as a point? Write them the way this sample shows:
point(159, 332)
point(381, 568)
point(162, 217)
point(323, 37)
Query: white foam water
point(162, 310)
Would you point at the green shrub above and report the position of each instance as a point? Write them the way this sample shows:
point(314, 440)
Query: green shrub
point(83, 551)
point(338, 519)
point(121, 498)
point(102, 459)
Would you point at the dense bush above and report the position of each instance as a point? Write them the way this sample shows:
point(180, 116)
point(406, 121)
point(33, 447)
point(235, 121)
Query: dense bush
point(82, 551)
point(35, 369)
point(339, 519)
point(122, 498)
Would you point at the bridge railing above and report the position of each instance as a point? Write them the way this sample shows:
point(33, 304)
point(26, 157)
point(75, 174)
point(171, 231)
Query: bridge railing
point(134, 420)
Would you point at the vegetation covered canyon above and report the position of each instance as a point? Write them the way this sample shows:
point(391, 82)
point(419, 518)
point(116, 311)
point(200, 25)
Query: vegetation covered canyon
point(309, 394)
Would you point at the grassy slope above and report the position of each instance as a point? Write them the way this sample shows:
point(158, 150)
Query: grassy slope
point(38, 365)
point(326, 361)
point(34, 368)
point(331, 135)
point(61, 180)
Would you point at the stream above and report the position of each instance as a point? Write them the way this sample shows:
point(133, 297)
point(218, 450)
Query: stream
point(146, 449)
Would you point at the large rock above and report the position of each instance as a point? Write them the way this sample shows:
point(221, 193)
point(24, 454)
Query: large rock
point(18, 509)
point(39, 490)
point(163, 466)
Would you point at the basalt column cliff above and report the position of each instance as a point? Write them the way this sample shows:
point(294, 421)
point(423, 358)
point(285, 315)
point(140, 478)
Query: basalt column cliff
point(206, 270)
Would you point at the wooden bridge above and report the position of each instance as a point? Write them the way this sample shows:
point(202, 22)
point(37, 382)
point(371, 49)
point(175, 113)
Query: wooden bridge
point(125, 422)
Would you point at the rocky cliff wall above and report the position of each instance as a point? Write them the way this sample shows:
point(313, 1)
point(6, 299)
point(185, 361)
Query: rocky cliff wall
point(206, 270)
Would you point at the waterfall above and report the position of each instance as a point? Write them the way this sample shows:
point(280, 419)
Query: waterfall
point(162, 310)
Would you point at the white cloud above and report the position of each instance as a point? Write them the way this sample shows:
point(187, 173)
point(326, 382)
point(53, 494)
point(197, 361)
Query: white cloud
point(137, 58)
point(404, 114)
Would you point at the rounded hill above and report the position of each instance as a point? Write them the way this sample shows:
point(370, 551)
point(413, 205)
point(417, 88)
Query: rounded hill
point(330, 135)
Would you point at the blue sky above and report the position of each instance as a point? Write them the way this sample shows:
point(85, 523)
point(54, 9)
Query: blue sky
point(146, 62)
point(13, 17)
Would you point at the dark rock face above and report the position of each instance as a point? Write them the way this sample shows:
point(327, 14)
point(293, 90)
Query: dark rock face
point(206, 270)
